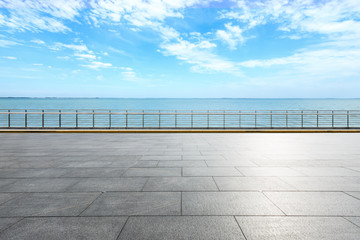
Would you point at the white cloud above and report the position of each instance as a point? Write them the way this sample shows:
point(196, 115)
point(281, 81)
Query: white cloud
point(8, 43)
point(326, 17)
point(82, 53)
point(206, 44)
point(10, 57)
point(39, 15)
point(86, 56)
point(38, 41)
point(195, 51)
point(63, 57)
point(336, 21)
point(38, 64)
point(201, 58)
point(126, 68)
point(129, 75)
point(232, 35)
point(119, 51)
point(140, 13)
point(97, 65)
point(74, 47)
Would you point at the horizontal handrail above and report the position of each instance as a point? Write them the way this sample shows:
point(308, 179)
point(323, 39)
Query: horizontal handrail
point(162, 113)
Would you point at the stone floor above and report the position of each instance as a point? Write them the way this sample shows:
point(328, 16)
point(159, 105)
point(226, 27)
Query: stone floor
point(180, 186)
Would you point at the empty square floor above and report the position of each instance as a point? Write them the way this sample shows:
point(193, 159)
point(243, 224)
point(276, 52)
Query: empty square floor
point(180, 186)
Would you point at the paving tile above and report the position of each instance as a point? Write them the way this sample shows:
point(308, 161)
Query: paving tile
point(87, 164)
point(181, 227)
point(324, 183)
point(251, 183)
point(316, 203)
point(6, 182)
point(160, 157)
point(227, 203)
point(247, 157)
point(119, 157)
point(47, 204)
point(108, 184)
point(305, 163)
point(93, 172)
point(108, 163)
point(228, 163)
point(30, 164)
point(4, 197)
point(326, 171)
point(210, 171)
point(40, 185)
point(354, 194)
point(354, 220)
point(190, 153)
point(139, 164)
point(284, 228)
point(354, 168)
point(180, 184)
point(195, 163)
point(211, 157)
point(56, 228)
point(7, 222)
point(31, 173)
point(152, 172)
point(268, 171)
point(135, 203)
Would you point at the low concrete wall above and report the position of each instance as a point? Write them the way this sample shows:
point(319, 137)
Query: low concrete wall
point(179, 130)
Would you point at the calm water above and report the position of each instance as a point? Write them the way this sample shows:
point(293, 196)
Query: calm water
point(180, 104)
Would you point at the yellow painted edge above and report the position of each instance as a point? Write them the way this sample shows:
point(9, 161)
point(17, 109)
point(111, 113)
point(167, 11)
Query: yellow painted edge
point(179, 130)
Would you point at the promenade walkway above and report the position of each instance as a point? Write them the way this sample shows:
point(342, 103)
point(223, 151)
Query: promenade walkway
point(180, 186)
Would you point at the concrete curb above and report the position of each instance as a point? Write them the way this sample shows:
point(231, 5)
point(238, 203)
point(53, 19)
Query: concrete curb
point(179, 130)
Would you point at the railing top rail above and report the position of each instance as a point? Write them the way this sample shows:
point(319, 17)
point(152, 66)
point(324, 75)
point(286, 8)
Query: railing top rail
point(181, 110)
point(183, 113)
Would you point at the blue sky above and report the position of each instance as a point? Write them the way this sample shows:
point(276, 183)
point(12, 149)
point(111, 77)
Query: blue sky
point(178, 48)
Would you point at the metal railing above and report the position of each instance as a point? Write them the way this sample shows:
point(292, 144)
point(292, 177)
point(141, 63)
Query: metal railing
point(199, 119)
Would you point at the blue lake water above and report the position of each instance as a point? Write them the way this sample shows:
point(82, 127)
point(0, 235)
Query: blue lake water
point(180, 104)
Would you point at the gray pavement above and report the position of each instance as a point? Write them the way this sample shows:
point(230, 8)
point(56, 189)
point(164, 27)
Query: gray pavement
point(180, 186)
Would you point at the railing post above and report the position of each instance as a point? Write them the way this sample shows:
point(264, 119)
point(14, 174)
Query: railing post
point(126, 119)
point(317, 119)
point(159, 118)
point(332, 119)
point(224, 119)
point(286, 114)
point(255, 118)
point(25, 118)
point(59, 118)
point(109, 118)
point(93, 118)
point(143, 119)
point(192, 124)
point(348, 120)
point(76, 118)
point(175, 119)
point(208, 119)
point(271, 119)
point(239, 119)
point(42, 118)
point(9, 118)
point(302, 119)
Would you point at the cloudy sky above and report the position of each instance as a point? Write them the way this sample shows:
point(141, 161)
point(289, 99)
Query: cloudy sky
point(180, 48)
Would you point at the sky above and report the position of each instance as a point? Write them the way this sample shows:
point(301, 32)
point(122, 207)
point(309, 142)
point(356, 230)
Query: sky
point(180, 48)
